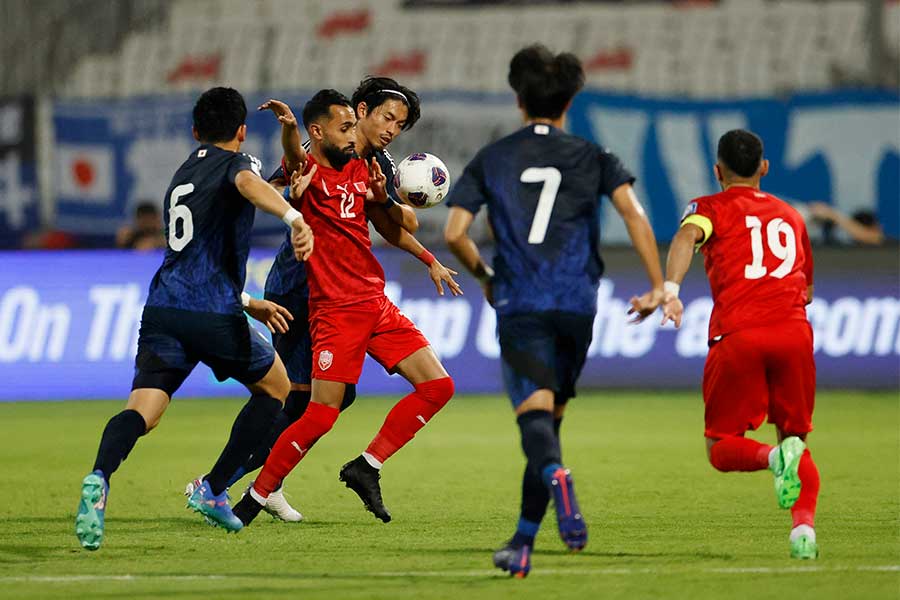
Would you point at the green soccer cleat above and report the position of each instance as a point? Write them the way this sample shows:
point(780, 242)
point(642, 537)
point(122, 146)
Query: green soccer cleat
point(804, 548)
point(91, 511)
point(787, 479)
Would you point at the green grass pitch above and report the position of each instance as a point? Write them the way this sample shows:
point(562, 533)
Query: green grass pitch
point(663, 523)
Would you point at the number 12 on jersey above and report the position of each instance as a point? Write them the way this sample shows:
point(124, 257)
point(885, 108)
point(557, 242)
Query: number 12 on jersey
point(551, 178)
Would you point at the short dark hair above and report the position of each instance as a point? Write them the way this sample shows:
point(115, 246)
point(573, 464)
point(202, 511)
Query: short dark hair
point(741, 151)
point(320, 105)
point(218, 114)
point(545, 83)
point(375, 91)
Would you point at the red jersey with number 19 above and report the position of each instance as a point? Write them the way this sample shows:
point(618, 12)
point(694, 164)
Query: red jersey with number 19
point(757, 257)
point(342, 269)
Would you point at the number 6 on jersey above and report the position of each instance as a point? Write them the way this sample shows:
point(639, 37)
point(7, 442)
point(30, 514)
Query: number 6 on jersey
point(180, 213)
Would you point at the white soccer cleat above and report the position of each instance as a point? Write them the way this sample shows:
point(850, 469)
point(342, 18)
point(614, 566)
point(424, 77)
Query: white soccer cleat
point(278, 506)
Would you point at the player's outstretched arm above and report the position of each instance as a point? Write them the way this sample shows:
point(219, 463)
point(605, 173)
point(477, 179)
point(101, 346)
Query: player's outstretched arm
point(264, 197)
point(677, 264)
point(403, 215)
point(629, 208)
point(397, 236)
point(274, 316)
point(294, 154)
point(456, 234)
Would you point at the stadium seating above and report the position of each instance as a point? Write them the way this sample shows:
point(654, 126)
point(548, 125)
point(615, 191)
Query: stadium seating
point(732, 49)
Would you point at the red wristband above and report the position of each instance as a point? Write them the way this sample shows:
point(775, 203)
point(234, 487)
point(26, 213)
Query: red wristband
point(426, 257)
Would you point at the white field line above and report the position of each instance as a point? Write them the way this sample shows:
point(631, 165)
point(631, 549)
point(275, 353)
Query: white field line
point(459, 574)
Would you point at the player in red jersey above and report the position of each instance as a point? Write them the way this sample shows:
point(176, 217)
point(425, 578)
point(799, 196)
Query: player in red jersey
point(760, 363)
point(350, 315)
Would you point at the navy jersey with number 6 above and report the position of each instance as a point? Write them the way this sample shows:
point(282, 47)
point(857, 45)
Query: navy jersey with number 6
point(208, 225)
point(542, 189)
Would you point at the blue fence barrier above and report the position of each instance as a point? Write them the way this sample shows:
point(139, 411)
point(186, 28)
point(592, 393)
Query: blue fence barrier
point(841, 148)
point(69, 321)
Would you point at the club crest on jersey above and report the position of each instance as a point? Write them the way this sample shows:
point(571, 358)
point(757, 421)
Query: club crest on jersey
point(438, 177)
point(360, 187)
point(325, 359)
point(417, 156)
point(689, 210)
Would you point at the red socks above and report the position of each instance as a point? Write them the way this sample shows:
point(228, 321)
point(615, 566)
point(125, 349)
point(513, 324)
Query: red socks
point(409, 416)
point(293, 445)
point(739, 454)
point(804, 510)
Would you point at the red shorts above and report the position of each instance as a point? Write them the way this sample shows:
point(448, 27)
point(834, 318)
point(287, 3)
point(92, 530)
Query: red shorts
point(342, 335)
point(759, 372)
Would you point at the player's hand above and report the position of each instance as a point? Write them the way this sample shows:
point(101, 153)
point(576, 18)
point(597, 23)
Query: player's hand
point(377, 182)
point(281, 110)
point(645, 305)
point(273, 316)
point(440, 274)
point(672, 309)
point(300, 182)
point(301, 239)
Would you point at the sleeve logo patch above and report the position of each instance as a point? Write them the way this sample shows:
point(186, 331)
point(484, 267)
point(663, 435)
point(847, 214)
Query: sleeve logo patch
point(689, 210)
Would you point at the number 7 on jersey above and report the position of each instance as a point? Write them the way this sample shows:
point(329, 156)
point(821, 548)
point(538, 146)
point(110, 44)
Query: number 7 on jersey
point(551, 178)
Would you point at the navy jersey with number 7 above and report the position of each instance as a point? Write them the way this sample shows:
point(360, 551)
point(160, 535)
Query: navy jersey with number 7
point(542, 188)
point(208, 225)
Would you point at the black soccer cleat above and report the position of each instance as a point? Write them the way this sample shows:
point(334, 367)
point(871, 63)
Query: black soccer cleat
point(362, 478)
point(247, 509)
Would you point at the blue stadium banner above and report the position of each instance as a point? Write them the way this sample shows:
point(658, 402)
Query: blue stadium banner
point(19, 210)
point(69, 323)
point(840, 148)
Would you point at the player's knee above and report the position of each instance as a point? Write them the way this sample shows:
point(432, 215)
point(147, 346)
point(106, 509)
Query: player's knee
point(715, 457)
point(437, 391)
point(349, 396)
point(151, 422)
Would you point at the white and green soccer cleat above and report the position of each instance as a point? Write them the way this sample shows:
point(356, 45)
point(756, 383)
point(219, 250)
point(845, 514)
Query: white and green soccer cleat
point(785, 468)
point(803, 543)
point(89, 522)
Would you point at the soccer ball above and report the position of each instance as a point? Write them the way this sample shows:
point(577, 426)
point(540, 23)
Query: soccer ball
point(422, 180)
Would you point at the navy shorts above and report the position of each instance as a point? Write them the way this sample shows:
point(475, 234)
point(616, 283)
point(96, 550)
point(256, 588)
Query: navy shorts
point(295, 346)
point(173, 341)
point(544, 350)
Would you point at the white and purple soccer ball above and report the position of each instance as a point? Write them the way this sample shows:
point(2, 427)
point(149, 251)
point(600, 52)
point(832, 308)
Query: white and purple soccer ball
point(422, 180)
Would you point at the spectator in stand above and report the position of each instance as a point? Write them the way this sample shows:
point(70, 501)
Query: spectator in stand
point(146, 232)
point(862, 227)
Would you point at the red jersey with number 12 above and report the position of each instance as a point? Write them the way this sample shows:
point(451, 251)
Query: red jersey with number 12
point(342, 269)
point(757, 257)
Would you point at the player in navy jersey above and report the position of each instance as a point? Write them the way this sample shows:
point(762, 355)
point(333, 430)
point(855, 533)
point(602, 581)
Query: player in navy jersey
point(385, 109)
point(194, 310)
point(542, 189)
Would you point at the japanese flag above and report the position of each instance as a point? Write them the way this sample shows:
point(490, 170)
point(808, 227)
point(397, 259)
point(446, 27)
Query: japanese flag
point(85, 172)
